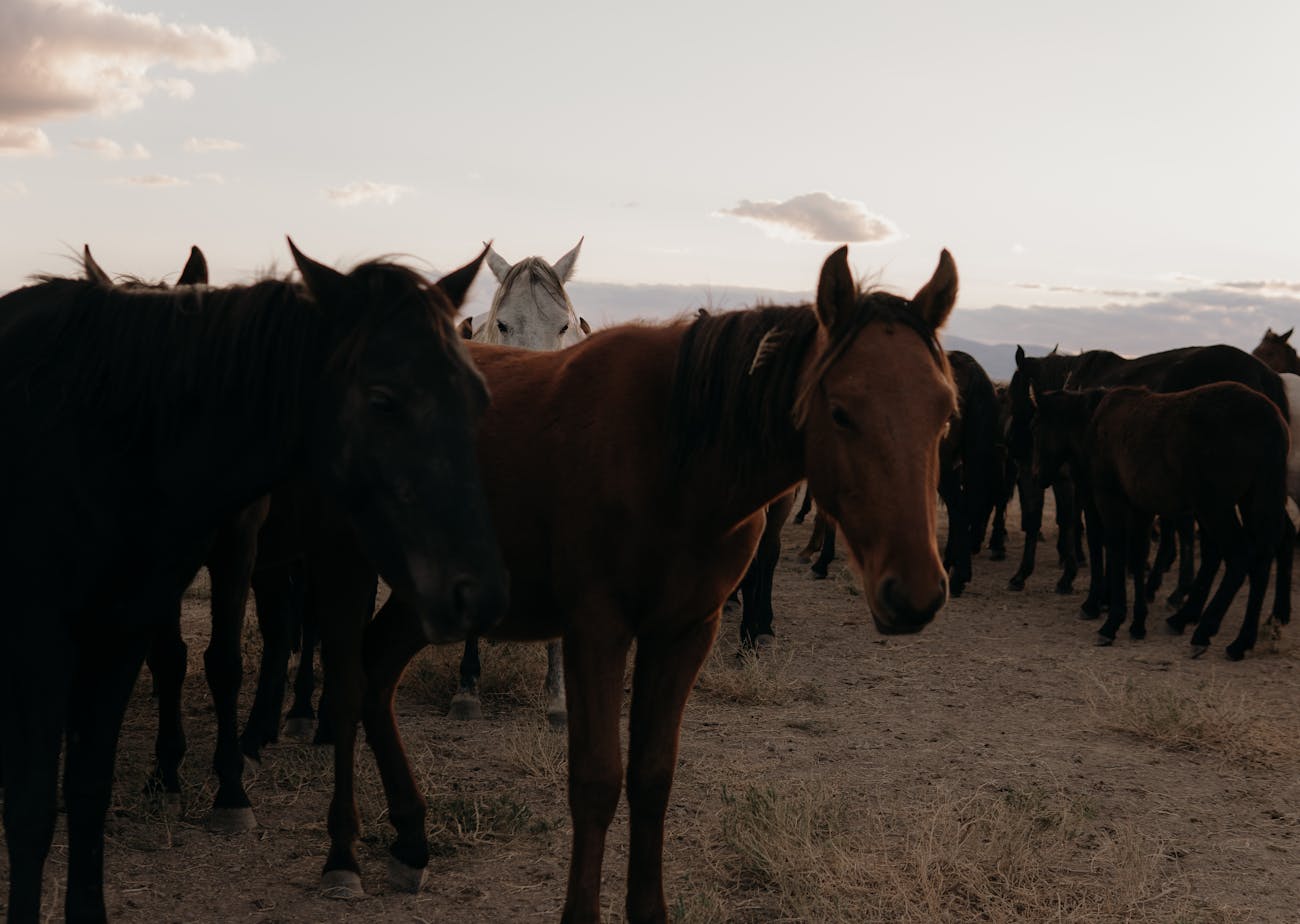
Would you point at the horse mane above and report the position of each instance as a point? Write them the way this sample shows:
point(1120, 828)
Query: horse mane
point(536, 272)
point(739, 383)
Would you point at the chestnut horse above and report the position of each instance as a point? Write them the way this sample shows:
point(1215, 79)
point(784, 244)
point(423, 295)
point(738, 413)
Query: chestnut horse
point(1218, 452)
point(149, 417)
point(699, 427)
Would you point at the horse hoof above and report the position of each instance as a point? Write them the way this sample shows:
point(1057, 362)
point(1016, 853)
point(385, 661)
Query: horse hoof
point(1198, 650)
point(557, 717)
point(1016, 583)
point(1175, 627)
point(299, 729)
point(805, 555)
point(403, 878)
point(818, 573)
point(342, 884)
point(466, 707)
point(997, 554)
point(1233, 653)
point(1085, 613)
point(231, 820)
point(1104, 641)
point(1137, 634)
point(764, 644)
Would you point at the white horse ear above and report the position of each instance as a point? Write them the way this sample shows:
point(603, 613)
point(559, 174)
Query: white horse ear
point(582, 323)
point(498, 266)
point(565, 266)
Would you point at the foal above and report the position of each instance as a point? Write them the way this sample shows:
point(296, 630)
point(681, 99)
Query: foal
point(700, 427)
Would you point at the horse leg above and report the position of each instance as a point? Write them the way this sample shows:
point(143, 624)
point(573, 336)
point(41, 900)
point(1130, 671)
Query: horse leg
point(1139, 531)
point(1066, 534)
point(466, 704)
point(105, 674)
point(1186, 532)
point(1249, 632)
point(1116, 519)
point(343, 590)
point(805, 507)
point(273, 594)
point(816, 540)
point(1165, 552)
point(957, 548)
point(665, 672)
point(821, 567)
point(33, 711)
point(1282, 586)
point(1031, 521)
point(594, 662)
point(998, 536)
point(1194, 605)
point(168, 662)
point(230, 565)
point(557, 709)
point(391, 640)
point(1228, 536)
point(1092, 604)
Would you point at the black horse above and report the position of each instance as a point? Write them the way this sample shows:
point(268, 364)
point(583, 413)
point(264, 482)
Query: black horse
point(142, 420)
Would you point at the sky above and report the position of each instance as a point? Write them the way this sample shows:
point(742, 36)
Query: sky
point(1105, 174)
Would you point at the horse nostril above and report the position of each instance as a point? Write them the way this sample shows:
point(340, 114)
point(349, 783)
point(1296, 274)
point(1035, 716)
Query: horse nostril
point(890, 593)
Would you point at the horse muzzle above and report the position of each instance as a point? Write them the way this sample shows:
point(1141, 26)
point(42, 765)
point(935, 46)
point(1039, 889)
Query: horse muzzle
point(896, 612)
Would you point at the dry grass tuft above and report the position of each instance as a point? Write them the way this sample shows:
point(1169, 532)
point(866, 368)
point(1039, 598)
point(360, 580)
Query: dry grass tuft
point(750, 679)
point(513, 674)
point(537, 752)
point(1216, 718)
point(812, 852)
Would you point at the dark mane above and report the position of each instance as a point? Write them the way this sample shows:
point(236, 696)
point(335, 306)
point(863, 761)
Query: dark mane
point(737, 385)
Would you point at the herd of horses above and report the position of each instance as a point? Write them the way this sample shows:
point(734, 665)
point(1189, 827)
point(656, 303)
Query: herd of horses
point(304, 438)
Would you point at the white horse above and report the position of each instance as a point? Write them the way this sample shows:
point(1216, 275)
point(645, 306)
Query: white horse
point(530, 310)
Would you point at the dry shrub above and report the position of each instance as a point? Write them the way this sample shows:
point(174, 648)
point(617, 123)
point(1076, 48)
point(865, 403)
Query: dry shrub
point(750, 679)
point(1031, 854)
point(536, 751)
point(1216, 718)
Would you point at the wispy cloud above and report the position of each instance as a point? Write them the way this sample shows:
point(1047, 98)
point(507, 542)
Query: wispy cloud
point(1088, 290)
point(817, 216)
point(364, 191)
point(109, 149)
point(151, 180)
point(210, 145)
point(59, 60)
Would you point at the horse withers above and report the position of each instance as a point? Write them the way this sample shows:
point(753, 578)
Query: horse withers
point(148, 418)
point(700, 426)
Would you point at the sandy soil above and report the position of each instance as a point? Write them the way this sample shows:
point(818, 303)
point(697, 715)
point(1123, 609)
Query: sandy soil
point(996, 767)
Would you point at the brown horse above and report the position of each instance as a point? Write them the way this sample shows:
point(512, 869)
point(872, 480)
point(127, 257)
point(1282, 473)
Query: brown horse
point(1218, 451)
point(1276, 352)
point(699, 427)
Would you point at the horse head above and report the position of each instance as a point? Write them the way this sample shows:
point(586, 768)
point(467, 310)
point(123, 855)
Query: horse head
point(531, 308)
point(876, 401)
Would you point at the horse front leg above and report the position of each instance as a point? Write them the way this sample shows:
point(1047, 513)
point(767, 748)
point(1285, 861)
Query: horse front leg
point(105, 674)
point(665, 672)
point(594, 661)
point(557, 709)
point(1031, 521)
point(391, 640)
point(1139, 531)
point(1067, 535)
point(273, 595)
point(467, 705)
point(1249, 632)
point(1092, 604)
point(168, 661)
point(1282, 585)
point(821, 567)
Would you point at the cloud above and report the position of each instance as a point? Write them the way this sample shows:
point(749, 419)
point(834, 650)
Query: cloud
point(21, 140)
point(12, 190)
point(211, 145)
point(1087, 290)
point(817, 216)
point(365, 191)
point(1269, 286)
point(60, 59)
point(152, 180)
point(109, 149)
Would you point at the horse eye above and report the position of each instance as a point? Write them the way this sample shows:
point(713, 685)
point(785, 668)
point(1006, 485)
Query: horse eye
point(564, 329)
point(382, 400)
point(501, 326)
point(841, 418)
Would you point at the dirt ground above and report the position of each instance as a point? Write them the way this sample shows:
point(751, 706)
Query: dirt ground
point(996, 767)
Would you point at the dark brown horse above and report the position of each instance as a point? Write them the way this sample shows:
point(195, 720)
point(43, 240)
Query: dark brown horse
point(1218, 452)
point(147, 419)
point(1276, 352)
point(755, 589)
point(699, 428)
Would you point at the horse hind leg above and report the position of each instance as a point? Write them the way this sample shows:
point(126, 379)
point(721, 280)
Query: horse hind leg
point(1249, 632)
point(821, 567)
point(557, 710)
point(1282, 585)
point(168, 661)
point(467, 705)
point(273, 596)
point(1165, 552)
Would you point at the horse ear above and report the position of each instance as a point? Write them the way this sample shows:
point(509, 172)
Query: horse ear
point(195, 272)
point(466, 329)
point(1055, 347)
point(582, 323)
point(498, 266)
point(92, 269)
point(936, 298)
point(565, 266)
point(1287, 336)
point(456, 284)
point(836, 294)
point(324, 283)
point(1020, 356)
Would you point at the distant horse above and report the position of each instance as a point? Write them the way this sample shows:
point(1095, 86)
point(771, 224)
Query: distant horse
point(140, 420)
point(530, 310)
point(1276, 352)
point(970, 478)
point(1007, 476)
point(755, 590)
point(1044, 373)
point(1218, 451)
point(691, 440)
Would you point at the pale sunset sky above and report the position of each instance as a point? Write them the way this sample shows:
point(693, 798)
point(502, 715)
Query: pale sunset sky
point(1106, 174)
